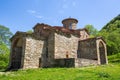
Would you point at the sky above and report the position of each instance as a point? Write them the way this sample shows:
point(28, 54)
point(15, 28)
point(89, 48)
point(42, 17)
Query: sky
point(23, 15)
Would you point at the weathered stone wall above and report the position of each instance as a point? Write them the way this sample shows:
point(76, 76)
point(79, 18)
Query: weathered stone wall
point(79, 62)
point(51, 49)
point(66, 62)
point(87, 49)
point(17, 50)
point(66, 46)
point(83, 35)
point(74, 62)
point(33, 51)
point(56, 46)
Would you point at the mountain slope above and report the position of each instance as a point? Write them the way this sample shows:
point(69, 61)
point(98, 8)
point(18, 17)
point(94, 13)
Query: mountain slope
point(113, 24)
point(111, 33)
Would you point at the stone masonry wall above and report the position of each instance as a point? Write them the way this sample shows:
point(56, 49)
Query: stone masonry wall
point(79, 62)
point(87, 49)
point(51, 50)
point(66, 62)
point(65, 46)
point(33, 51)
point(83, 35)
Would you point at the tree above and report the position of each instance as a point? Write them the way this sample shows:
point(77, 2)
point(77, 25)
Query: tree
point(113, 24)
point(5, 35)
point(114, 42)
point(29, 31)
point(111, 34)
point(4, 56)
point(91, 30)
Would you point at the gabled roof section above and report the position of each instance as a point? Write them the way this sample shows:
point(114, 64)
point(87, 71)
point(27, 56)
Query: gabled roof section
point(41, 25)
point(57, 29)
point(18, 33)
point(64, 30)
point(96, 38)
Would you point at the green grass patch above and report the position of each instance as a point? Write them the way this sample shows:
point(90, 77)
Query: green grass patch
point(103, 72)
point(114, 58)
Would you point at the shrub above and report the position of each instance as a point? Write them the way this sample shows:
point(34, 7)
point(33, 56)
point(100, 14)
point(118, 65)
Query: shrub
point(103, 75)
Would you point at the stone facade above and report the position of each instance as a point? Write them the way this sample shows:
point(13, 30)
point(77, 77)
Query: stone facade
point(79, 62)
point(55, 46)
point(66, 46)
point(33, 52)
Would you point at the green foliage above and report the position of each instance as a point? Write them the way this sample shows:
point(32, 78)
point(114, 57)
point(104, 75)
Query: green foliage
point(93, 32)
point(113, 24)
point(111, 34)
point(29, 31)
point(4, 56)
point(5, 35)
point(104, 72)
point(103, 75)
point(3, 48)
point(114, 58)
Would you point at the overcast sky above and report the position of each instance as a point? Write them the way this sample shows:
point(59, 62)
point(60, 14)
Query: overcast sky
point(22, 15)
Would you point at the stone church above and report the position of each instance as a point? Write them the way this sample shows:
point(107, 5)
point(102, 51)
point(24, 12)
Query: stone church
point(56, 46)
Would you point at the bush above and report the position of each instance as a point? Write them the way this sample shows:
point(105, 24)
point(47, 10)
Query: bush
point(114, 58)
point(3, 65)
point(4, 56)
point(103, 75)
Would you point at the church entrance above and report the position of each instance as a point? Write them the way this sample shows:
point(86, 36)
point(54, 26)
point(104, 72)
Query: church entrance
point(102, 53)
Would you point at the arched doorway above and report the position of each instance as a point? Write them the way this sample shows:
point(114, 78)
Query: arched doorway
point(16, 53)
point(102, 53)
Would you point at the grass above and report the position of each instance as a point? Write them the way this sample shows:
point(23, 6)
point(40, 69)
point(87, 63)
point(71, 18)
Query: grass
point(114, 58)
point(102, 72)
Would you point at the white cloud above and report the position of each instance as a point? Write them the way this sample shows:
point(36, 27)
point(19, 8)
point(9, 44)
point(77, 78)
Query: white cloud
point(66, 4)
point(35, 13)
point(31, 11)
point(38, 16)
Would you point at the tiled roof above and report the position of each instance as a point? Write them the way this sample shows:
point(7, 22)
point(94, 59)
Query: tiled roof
point(53, 28)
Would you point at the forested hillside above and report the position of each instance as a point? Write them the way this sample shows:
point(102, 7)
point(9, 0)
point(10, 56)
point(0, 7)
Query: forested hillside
point(113, 24)
point(111, 33)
